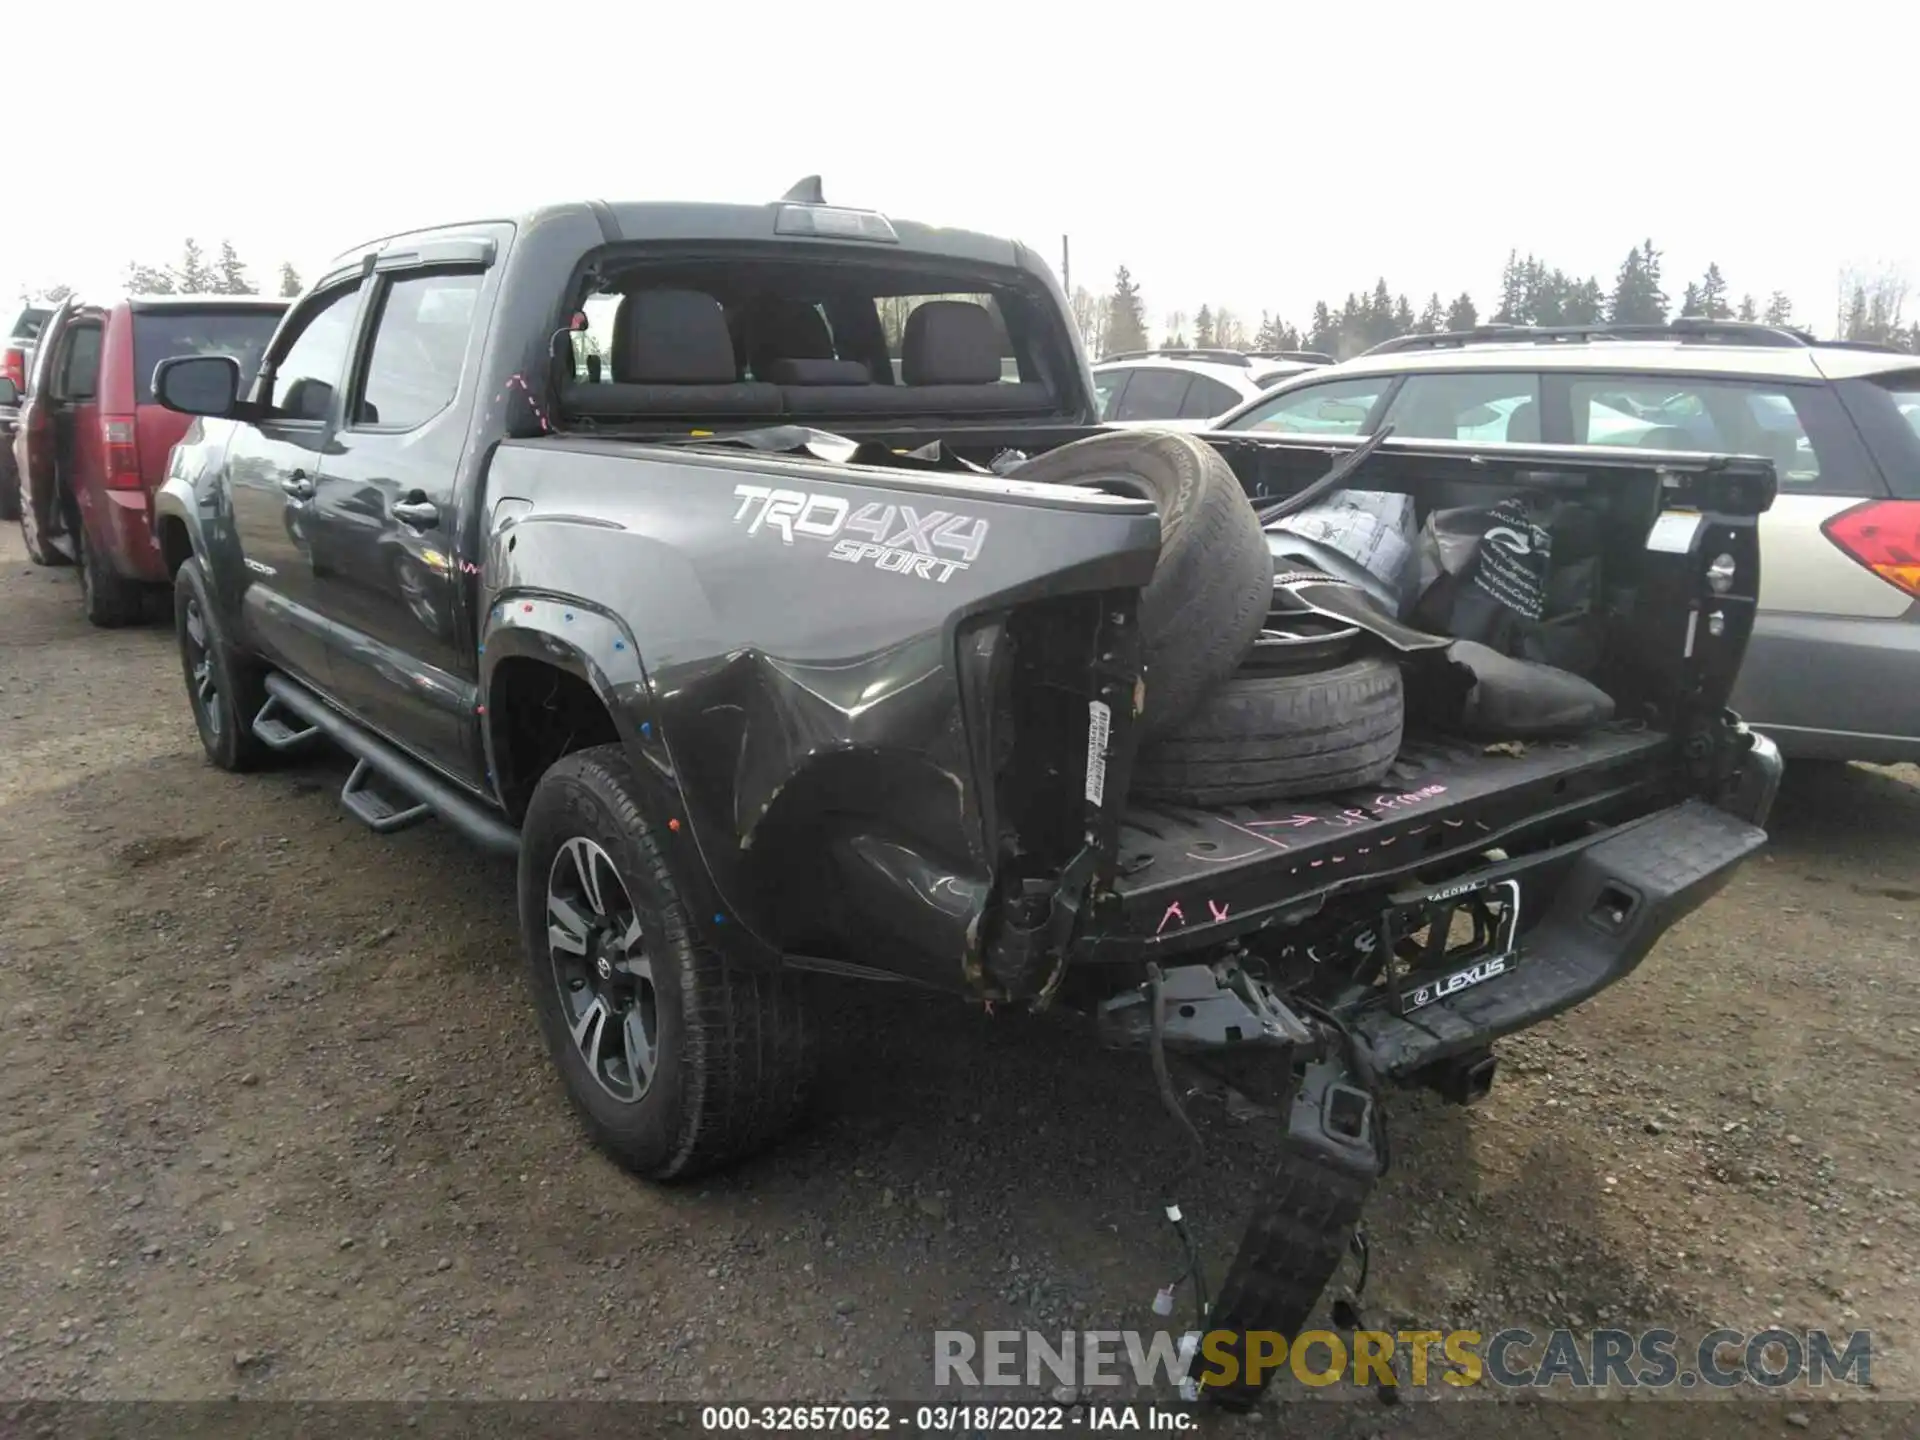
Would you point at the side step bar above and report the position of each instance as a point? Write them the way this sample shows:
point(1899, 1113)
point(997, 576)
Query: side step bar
point(274, 731)
point(432, 794)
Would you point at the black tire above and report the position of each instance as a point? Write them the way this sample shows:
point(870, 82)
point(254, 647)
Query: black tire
point(1210, 591)
point(1289, 1255)
point(730, 1052)
point(110, 598)
point(37, 527)
point(1267, 736)
point(225, 690)
point(9, 481)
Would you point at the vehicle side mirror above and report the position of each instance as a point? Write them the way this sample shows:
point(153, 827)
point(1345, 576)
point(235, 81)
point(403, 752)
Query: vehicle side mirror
point(9, 393)
point(198, 384)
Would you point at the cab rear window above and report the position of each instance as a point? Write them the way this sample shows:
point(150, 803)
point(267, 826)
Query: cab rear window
point(161, 334)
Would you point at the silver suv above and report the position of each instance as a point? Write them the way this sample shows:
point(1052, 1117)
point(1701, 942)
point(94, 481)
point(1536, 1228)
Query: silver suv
point(1833, 670)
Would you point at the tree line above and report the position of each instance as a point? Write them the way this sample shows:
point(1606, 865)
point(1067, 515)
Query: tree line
point(1530, 293)
point(194, 273)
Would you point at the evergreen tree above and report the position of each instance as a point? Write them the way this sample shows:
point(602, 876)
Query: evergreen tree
point(1433, 316)
point(1713, 295)
point(1126, 316)
point(1267, 337)
point(290, 285)
point(1403, 321)
point(1461, 315)
point(1650, 264)
point(1779, 309)
point(1513, 291)
point(230, 276)
point(1637, 296)
point(1690, 303)
point(1748, 311)
point(1586, 304)
point(193, 276)
point(1288, 337)
point(1324, 334)
point(1203, 328)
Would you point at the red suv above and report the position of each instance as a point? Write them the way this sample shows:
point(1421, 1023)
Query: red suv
point(92, 443)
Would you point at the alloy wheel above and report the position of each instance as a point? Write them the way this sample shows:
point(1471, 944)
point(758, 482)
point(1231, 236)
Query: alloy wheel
point(597, 946)
point(205, 680)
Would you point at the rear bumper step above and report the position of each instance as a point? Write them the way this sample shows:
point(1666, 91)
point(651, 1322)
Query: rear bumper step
point(1619, 896)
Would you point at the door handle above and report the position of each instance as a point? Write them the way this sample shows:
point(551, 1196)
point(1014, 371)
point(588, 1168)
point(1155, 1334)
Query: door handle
point(298, 485)
point(421, 514)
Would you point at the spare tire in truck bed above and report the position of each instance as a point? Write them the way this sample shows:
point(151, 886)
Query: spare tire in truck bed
point(1264, 736)
point(1209, 594)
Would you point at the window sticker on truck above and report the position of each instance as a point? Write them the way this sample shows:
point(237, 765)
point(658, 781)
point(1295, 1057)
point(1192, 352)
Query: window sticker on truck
point(899, 539)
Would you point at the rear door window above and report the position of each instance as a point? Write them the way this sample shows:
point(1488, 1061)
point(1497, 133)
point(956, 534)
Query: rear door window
point(419, 346)
point(1798, 427)
point(1453, 406)
point(1206, 399)
point(1153, 394)
point(1338, 407)
point(162, 334)
point(79, 377)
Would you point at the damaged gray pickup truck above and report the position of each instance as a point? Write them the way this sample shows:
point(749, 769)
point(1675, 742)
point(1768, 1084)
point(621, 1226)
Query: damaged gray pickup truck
point(760, 577)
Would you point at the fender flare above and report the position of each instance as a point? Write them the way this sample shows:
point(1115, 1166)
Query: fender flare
point(589, 643)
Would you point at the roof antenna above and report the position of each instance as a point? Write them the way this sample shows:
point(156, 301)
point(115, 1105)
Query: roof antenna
point(806, 192)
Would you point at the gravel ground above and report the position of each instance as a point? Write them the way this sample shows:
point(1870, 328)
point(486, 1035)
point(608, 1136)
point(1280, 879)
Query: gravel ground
point(274, 1120)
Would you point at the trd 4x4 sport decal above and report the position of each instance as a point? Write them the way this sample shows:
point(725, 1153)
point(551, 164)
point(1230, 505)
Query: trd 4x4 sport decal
point(901, 539)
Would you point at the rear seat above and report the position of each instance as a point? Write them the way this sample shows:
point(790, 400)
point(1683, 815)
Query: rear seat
point(672, 355)
point(949, 363)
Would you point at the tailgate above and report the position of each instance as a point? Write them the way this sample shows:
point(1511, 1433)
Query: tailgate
point(1190, 876)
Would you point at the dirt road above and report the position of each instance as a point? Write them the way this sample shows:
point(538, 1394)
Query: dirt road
point(274, 1120)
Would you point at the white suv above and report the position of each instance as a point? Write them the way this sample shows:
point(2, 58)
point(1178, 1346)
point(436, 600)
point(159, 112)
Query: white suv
point(1833, 669)
point(1188, 388)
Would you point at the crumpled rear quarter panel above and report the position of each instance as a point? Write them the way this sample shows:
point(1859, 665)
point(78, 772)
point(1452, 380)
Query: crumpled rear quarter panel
point(801, 668)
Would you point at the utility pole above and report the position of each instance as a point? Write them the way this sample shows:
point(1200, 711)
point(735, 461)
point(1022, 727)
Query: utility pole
point(1066, 268)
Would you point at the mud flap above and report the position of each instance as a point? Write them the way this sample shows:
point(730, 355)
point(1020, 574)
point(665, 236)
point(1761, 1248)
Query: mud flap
point(1301, 1228)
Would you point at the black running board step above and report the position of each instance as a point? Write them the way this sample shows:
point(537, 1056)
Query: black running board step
point(374, 810)
point(274, 731)
point(454, 807)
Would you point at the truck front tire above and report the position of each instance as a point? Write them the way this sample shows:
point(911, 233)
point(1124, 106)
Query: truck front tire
point(226, 691)
point(677, 1061)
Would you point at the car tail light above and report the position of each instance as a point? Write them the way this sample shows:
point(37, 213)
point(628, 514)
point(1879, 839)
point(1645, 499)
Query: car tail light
point(15, 363)
point(122, 452)
point(1884, 536)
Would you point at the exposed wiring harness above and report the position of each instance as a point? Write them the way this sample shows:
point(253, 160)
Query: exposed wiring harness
point(1170, 1098)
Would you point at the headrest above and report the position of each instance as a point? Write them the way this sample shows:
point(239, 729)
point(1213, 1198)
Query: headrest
point(1523, 423)
point(784, 329)
point(672, 337)
point(950, 342)
point(813, 372)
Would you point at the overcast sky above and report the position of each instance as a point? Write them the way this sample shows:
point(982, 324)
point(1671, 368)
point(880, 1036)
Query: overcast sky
point(1257, 155)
